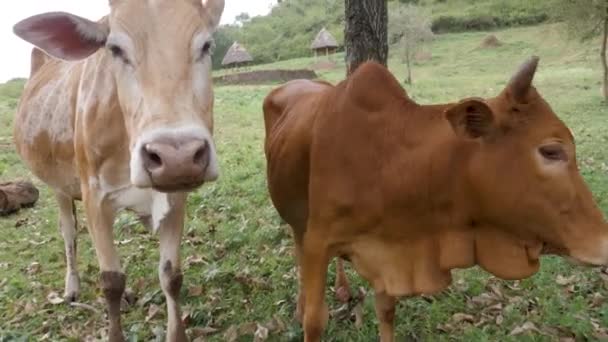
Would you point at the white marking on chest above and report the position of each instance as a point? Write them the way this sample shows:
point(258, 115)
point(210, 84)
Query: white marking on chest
point(145, 202)
point(50, 110)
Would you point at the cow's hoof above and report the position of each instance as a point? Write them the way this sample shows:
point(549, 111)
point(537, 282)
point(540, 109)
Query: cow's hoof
point(70, 297)
point(72, 288)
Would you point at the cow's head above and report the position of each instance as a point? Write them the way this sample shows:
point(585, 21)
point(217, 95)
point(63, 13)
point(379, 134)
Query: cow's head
point(524, 174)
point(158, 52)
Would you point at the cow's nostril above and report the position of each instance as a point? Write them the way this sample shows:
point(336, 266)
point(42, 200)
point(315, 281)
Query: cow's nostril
point(155, 159)
point(152, 159)
point(200, 156)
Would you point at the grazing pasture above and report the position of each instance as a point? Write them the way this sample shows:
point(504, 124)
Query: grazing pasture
point(239, 271)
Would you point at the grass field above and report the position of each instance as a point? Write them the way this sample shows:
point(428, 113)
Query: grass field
point(238, 264)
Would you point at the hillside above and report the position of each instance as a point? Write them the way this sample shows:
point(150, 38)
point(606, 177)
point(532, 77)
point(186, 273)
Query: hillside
point(238, 255)
point(288, 30)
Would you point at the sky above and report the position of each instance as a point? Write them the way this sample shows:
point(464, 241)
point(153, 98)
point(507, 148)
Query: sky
point(15, 60)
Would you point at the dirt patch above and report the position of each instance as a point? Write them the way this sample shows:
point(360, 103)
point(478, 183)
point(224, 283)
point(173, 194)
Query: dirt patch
point(323, 65)
point(489, 42)
point(264, 77)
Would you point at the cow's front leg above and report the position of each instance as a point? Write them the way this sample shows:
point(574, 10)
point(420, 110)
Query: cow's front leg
point(385, 311)
point(101, 218)
point(169, 270)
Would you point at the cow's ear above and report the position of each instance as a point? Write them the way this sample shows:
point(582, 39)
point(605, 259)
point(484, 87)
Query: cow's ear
point(471, 118)
point(62, 35)
point(214, 9)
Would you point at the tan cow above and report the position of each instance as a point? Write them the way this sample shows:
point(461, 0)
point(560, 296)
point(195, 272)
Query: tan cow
point(118, 113)
point(407, 192)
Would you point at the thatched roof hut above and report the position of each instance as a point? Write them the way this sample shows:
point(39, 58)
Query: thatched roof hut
point(236, 55)
point(324, 41)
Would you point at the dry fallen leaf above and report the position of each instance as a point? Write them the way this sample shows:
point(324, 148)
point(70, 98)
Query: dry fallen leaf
point(54, 298)
point(483, 299)
point(198, 332)
point(561, 280)
point(139, 284)
point(276, 324)
point(495, 308)
point(358, 310)
point(495, 288)
point(194, 260)
point(462, 317)
point(153, 310)
point(231, 334)
point(604, 277)
point(20, 222)
point(528, 326)
point(598, 300)
point(261, 334)
point(499, 319)
point(195, 291)
point(446, 328)
point(29, 308)
point(186, 317)
point(124, 242)
point(33, 268)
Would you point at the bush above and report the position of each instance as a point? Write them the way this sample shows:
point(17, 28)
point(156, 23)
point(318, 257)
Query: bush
point(445, 24)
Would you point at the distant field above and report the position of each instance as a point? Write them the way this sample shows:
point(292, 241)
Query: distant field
point(237, 254)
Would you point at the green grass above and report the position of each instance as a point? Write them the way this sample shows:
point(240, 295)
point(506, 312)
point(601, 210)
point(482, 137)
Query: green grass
point(238, 254)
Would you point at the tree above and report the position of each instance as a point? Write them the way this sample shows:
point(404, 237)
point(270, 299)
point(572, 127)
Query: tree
point(586, 19)
point(410, 28)
point(242, 18)
point(365, 32)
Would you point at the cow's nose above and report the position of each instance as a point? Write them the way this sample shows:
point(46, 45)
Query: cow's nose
point(176, 165)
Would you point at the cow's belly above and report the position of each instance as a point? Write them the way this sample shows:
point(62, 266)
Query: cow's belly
point(397, 268)
point(401, 265)
point(52, 162)
point(44, 135)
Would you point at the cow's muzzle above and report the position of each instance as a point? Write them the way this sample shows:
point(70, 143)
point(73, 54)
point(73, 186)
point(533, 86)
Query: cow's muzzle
point(176, 164)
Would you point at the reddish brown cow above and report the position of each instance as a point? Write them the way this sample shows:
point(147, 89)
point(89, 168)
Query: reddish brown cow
point(407, 192)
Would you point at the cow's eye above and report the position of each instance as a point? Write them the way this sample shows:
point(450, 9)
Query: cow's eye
point(118, 52)
point(207, 48)
point(553, 152)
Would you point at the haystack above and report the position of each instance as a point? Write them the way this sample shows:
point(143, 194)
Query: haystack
point(490, 41)
point(324, 42)
point(236, 56)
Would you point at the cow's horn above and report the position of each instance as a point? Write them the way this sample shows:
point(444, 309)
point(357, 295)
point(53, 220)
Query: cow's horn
point(522, 80)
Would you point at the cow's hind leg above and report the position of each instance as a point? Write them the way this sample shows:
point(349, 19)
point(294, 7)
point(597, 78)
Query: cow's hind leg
point(341, 285)
point(298, 256)
point(69, 231)
point(113, 279)
point(315, 259)
point(385, 311)
point(169, 270)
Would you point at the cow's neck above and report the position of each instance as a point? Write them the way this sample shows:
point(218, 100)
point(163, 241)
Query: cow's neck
point(101, 131)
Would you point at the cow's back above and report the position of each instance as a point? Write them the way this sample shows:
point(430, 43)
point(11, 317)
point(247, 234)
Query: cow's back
point(44, 123)
point(289, 115)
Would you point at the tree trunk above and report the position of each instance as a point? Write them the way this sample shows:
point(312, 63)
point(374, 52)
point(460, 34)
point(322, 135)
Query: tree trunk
point(408, 63)
point(604, 57)
point(365, 32)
